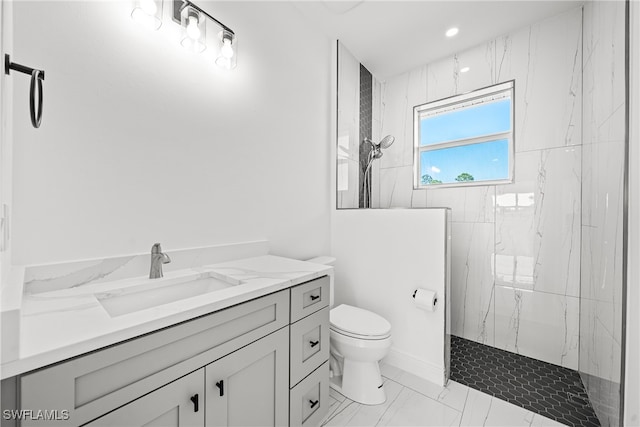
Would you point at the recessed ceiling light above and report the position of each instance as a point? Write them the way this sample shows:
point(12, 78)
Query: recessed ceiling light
point(464, 69)
point(451, 32)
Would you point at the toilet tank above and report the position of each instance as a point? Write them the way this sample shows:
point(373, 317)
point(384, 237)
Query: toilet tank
point(326, 260)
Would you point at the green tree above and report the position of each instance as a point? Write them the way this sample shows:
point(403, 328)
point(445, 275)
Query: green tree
point(464, 177)
point(428, 179)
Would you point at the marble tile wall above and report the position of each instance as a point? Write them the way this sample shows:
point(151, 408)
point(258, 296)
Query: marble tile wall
point(359, 117)
point(366, 132)
point(348, 150)
point(603, 132)
point(515, 247)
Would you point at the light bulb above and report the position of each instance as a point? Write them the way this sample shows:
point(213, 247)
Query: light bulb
point(148, 13)
point(223, 62)
point(227, 49)
point(192, 28)
point(451, 32)
point(148, 6)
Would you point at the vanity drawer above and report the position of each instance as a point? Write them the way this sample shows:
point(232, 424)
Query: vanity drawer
point(309, 401)
point(309, 297)
point(309, 344)
point(88, 386)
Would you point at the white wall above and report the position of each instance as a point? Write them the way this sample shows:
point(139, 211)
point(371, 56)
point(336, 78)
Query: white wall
point(143, 142)
point(6, 88)
point(382, 256)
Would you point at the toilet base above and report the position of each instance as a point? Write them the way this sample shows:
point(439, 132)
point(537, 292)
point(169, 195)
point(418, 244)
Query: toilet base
point(362, 383)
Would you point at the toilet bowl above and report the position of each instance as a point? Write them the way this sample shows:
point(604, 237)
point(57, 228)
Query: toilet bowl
point(359, 339)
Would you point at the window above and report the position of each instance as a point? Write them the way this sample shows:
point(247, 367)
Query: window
point(466, 139)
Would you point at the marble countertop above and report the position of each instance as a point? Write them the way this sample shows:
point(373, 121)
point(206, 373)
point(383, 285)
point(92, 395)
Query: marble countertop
point(65, 323)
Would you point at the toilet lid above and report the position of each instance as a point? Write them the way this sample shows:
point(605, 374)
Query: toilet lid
point(358, 321)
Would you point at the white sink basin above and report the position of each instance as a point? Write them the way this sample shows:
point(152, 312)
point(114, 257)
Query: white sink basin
point(157, 292)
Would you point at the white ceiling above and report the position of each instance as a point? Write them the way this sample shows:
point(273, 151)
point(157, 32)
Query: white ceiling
point(391, 37)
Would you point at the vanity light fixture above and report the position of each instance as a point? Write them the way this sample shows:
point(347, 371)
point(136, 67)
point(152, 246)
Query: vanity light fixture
point(451, 32)
point(194, 20)
point(193, 30)
point(464, 69)
point(148, 13)
point(228, 50)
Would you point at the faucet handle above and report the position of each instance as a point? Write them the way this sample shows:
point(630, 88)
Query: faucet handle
point(156, 249)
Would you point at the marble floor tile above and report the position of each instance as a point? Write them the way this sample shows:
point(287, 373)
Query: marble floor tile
point(414, 409)
point(540, 421)
point(453, 395)
point(334, 404)
point(413, 401)
point(335, 395)
point(351, 413)
point(484, 410)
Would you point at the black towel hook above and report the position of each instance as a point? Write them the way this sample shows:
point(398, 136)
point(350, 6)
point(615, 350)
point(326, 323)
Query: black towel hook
point(37, 76)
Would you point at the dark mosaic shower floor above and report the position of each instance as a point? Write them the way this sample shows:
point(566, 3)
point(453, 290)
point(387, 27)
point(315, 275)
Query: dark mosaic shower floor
point(549, 390)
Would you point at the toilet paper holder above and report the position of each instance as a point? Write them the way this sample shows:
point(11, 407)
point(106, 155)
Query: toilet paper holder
point(435, 301)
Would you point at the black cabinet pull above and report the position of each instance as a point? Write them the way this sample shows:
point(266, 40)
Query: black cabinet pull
point(194, 399)
point(314, 343)
point(314, 297)
point(313, 403)
point(220, 385)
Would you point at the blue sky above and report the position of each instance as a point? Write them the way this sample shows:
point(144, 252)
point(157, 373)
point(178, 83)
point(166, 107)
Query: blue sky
point(485, 161)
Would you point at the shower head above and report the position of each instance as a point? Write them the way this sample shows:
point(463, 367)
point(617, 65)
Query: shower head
point(386, 141)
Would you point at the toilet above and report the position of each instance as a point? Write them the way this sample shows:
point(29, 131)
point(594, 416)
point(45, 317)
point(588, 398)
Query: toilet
point(359, 339)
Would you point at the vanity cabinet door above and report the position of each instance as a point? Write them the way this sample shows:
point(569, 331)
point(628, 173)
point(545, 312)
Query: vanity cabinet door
point(250, 387)
point(310, 398)
point(179, 403)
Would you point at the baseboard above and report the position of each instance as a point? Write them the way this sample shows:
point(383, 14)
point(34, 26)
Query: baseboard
point(422, 368)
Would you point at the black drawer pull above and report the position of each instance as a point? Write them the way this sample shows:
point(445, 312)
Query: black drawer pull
point(314, 343)
point(314, 297)
point(220, 385)
point(313, 403)
point(194, 399)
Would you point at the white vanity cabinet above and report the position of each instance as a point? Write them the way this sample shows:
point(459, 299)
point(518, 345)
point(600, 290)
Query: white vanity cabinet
point(97, 383)
point(262, 362)
point(309, 349)
point(176, 404)
point(238, 389)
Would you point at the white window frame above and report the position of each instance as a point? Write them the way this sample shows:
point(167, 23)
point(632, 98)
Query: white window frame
point(423, 110)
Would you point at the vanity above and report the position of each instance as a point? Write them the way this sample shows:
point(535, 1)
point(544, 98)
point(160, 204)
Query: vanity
point(248, 345)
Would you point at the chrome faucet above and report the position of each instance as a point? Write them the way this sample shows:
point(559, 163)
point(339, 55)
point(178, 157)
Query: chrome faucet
point(157, 259)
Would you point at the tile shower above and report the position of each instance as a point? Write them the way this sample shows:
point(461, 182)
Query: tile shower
point(517, 245)
point(539, 260)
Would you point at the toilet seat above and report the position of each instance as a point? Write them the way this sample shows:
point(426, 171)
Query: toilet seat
point(360, 337)
point(359, 323)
